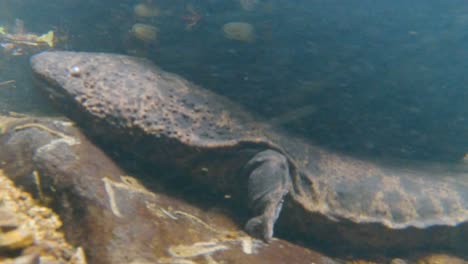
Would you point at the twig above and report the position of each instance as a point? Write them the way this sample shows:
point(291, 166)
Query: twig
point(7, 82)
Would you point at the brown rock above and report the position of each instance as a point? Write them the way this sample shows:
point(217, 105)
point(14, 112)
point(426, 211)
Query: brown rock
point(28, 232)
point(398, 261)
point(441, 259)
point(18, 238)
point(114, 216)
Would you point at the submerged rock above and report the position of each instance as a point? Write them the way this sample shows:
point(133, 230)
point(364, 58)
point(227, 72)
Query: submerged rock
point(441, 259)
point(114, 216)
point(240, 31)
point(29, 232)
point(144, 32)
point(145, 10)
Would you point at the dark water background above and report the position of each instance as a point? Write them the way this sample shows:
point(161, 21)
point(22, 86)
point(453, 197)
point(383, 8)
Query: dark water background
point(372, 78)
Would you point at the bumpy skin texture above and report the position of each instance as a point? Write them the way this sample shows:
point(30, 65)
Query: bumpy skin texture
point(170, 121)
point(167, 119)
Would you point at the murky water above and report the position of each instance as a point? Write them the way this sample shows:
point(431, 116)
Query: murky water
point(369, 78)
point(381, 79)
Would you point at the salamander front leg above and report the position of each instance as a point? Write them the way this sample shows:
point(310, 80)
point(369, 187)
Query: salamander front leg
point(268, 183)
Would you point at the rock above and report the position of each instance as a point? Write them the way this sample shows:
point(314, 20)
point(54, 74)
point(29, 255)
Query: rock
point(145, 10)
point(398, 261)
point(28, 259)
point(360, 262)
point(240, 31)
point(30, 235)
point(441, 259)
point(8, 218)
point(145, 33)
point(114, 216)
point(18, 238)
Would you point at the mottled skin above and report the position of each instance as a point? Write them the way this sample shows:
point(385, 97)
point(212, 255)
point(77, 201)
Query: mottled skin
point(168, 120)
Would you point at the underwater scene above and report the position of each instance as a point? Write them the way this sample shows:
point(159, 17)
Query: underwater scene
point(234, 131)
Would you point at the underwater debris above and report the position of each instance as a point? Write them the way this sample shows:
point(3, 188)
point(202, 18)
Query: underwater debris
point(247, 245)
point(192, 18)
point(240, 31)
point(168, 214)
point(47, 38)
point(248, 5)
point(175, 261)
point(7, 82)
point(19, 39)
point(208, 248)
point(145, 10)
point(144, 32)
point(28, 39)
point(197, 249)
point(199, 221)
